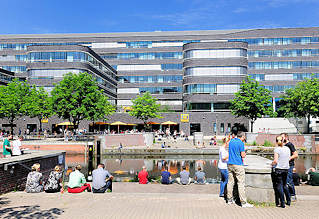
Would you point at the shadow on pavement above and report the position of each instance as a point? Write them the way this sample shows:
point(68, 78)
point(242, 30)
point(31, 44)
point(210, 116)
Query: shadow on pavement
point(4, 201)
point(26, 211)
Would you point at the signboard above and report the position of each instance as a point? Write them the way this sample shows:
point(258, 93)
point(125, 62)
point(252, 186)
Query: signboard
point(45, 120)
point(184, 117)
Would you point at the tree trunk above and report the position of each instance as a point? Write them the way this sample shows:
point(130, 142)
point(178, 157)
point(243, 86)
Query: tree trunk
point(308, 124)
point(252, 126)
point(40, 121)
point(11, 125)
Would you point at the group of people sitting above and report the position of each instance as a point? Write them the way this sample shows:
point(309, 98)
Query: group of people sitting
point(102, 181)
point(166, 177)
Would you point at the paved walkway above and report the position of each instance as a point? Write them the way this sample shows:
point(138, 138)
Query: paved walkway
point(147, 201)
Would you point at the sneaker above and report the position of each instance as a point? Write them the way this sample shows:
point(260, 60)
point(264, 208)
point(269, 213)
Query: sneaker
point(293, 198)
point(230, 201)
point(247, 205)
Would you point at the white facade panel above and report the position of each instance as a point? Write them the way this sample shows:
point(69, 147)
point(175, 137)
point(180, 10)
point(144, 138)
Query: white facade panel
point(128, 91)
point(279, 77)
point(227, 88)
point(138, 67)
point(170, 103)
point(108, 45)
point(124, 103)
point(167, 44)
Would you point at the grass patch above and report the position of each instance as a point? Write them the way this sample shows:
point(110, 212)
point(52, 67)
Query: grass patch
point(262, 204)
point(268, 144)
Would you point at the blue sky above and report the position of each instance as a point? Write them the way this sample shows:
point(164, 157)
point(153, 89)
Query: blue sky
point(95, 16)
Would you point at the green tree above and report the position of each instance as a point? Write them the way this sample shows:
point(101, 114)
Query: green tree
point(77, 97)
point(145, 108)
point(13, 100)
point(301, 101)
point(252, 101)
point(38, 104)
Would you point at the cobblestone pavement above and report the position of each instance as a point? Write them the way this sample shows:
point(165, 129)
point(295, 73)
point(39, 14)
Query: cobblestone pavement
point(145, 201)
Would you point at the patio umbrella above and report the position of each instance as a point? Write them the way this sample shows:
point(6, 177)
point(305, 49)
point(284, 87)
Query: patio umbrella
point(152, 123)
point(169, 123)
point(64, 123)
point(118, 123)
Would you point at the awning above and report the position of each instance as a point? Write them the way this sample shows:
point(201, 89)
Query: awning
point(152, 123)
point(99, 123)
point(169, 123)
point(64, 123)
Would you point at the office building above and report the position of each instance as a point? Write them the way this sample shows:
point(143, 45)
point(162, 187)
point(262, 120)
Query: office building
point(190, 72)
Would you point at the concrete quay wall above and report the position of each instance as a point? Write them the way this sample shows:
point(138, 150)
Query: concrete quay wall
point(14, 170)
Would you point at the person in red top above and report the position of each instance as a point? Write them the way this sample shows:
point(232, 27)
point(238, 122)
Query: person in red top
point(142, 176)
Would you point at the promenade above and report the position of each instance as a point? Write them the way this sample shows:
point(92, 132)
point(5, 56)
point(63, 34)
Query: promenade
point(131, 200)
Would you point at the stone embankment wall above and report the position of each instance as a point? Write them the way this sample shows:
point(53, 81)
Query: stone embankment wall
point(300, 141)
point(14, 171)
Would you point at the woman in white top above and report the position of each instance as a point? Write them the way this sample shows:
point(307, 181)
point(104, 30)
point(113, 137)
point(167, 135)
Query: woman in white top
point(222, 165)
point(281, 165)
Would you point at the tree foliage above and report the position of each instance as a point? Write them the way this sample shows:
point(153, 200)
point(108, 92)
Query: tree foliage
point(77, 97)
point(13, 100)
point(301, 101)
point(145, 108)
point(252, 101)
point(38, 104)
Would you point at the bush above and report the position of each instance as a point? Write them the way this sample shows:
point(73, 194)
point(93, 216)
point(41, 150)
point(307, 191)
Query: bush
point(268, 144)
point(254, 143)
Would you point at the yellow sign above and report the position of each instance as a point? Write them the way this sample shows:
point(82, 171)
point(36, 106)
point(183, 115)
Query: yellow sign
point(184, 117)
point(45, 120)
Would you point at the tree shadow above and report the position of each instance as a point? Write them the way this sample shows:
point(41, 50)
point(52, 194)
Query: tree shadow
point(33, 211)
point(4, 201)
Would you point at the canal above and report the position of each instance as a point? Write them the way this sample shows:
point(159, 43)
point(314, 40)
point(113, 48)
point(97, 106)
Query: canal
point(126, 168)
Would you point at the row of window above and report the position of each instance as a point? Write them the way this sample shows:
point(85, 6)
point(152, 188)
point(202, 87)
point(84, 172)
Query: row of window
point(281, 77)
point(151, 79)
point(278, 41)
point(215, 53)
point(150, 44)
point(279, 88)
point(215, 71)
point(283, 53)
point(208, 106)
point(23, 46)
point(16, 69)
point(284, 65)
point(68, 57)
point(211, 88)
point(144, 56)
point(160, 90)
point(5, 77)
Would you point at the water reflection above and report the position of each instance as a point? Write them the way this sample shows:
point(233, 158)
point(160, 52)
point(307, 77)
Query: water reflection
point(128, 166)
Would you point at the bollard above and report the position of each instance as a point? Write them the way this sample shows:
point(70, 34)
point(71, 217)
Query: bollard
point(90, 164)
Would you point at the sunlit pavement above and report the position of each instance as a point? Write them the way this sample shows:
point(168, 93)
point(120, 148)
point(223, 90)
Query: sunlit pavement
point(131, 200)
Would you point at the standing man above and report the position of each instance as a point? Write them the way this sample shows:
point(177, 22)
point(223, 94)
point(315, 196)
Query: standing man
point(236, 169)
point(17, 146)
point(7, 150)
point(293, 155)
point(102, 179)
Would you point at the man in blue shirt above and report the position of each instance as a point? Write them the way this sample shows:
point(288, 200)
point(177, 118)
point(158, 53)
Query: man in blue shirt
point(166, 177)
point(236, 169)
point(102, 180)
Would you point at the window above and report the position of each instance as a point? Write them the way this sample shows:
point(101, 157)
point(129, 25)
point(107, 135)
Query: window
point(215, 71)
point(215, 53)
point(222, 128)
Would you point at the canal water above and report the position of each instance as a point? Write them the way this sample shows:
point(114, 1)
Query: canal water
point(126, 168)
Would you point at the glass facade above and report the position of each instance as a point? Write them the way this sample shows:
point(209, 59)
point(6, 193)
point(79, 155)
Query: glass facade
point(6, 78)
point(283, 53)
point(16, 69)
point(144, 56)
point(215, 53)
point(279, 88)
point(160, 90)
point(150, 44)
point(23, 46)
point(283, 65)
point(278, 41)
point(171, 66)
point(201, 88)
point(151, 79)
point(257, 77)
point(69, 57)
